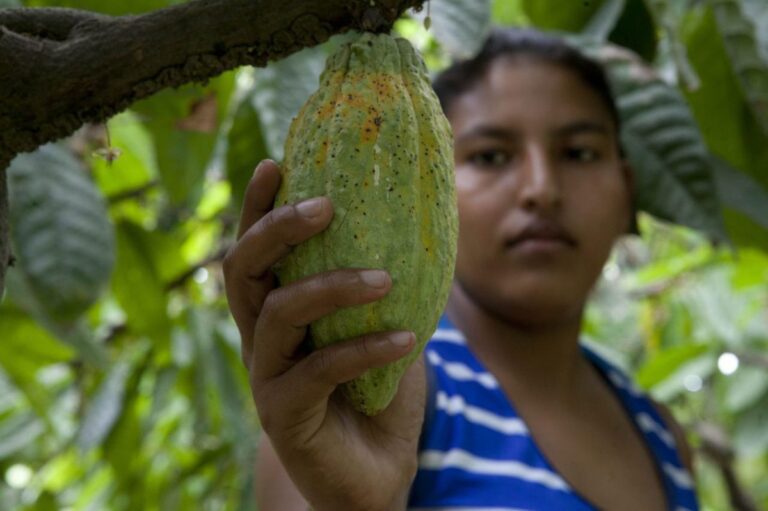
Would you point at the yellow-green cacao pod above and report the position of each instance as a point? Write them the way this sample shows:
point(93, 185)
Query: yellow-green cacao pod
point(374, 140)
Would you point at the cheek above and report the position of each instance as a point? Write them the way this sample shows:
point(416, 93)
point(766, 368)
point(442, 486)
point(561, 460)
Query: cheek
point(480, 209)
point(477, 218)
point(603, 210)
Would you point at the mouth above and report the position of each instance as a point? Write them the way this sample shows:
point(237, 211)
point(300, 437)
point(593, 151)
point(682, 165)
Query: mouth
point(542, 235)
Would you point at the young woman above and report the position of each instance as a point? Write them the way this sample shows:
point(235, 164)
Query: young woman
point(506, 410)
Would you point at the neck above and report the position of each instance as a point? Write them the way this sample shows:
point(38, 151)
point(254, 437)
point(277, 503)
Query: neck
point(539, 358)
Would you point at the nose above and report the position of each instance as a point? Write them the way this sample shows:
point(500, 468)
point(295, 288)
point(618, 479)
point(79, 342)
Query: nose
point(538, 183)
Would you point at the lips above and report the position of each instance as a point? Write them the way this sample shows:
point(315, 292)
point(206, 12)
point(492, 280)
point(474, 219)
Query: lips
point(543, 232)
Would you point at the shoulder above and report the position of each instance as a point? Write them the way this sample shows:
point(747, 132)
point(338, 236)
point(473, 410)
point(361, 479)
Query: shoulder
point(622, 380)
point(683, 447)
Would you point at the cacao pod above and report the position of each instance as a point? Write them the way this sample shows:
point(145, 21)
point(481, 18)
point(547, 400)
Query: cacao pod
point(374, 140)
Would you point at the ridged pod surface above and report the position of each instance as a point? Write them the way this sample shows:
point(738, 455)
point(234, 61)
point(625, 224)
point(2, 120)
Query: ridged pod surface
point(374, 140)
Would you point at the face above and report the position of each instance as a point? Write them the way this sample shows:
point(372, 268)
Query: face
point(542, 190)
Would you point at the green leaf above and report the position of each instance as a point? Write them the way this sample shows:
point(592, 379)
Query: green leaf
point(76, 335)
point(730, 130)
point(17, 432)
point(667, 16)
point(673, 175)
point(745, 388)
point(105, 408)
point(200, 333)
point(136, 165)
point(668, 268)
point(720, 312)
point(738, 34)
point(230, 392)
point(122, 448)
point(604, 20)
point(280, 90)
point(246, 144)
point(113, 7)
point(60, 231)
point(460, 26)
point(558, 15)
point(674, 385)
point(184, 124)
point(665, 363)
point(741, 193)
point(509, 13)
point(751, 269)
point(750, 434)
point(635, 29)
point(23, 339)
point(137, 286)
point(757, 11)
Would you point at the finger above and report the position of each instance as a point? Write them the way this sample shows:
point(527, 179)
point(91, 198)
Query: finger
point(259, 195)
point(300, 396)
point(246, 276)
point(277, 232)
point(404, 416)
point(288, 311)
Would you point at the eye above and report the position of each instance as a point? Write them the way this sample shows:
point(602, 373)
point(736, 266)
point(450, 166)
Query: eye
point(581, 154)
point(490, 158)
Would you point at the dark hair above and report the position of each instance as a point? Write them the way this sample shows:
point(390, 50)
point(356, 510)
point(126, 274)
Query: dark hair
point(509, 42)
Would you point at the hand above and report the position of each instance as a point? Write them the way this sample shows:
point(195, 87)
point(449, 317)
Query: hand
point(338, 458)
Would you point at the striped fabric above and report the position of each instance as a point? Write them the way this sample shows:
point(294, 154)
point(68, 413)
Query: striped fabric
point(477, 455)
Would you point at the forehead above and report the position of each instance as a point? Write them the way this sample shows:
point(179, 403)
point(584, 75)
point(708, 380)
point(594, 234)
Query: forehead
point(528, 95)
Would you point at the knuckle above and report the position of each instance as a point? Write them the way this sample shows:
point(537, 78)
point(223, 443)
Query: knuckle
point(267, 417)
point(271, 220)
point(363, 349)
point(285, 220)
point(228, 263)
point(341, 281)
point(272, 307)
point(320, 364)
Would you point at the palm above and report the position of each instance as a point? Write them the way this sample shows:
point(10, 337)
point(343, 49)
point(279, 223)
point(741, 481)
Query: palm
point(372, 455)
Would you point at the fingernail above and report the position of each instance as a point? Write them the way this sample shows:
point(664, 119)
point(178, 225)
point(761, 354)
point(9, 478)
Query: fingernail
point(310, 208)
point(260, 166)
point(401, 339)
point(374, 278)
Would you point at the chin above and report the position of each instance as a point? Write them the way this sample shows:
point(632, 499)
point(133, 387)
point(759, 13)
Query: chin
point(534, 315)
point(529, 306)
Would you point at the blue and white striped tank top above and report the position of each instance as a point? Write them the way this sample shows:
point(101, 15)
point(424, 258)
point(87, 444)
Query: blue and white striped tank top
point(476, 453)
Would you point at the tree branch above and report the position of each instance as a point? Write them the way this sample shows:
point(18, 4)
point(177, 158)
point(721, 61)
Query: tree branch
point(5, 242)
point(716, 446)
point(69, 67)
point(62, 68)
point(190, 272)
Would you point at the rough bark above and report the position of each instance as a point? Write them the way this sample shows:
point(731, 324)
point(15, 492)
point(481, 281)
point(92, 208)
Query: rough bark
point(5, 242)
point(65, 67)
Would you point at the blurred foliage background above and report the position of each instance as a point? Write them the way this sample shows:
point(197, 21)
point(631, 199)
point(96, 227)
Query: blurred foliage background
point(121, 386)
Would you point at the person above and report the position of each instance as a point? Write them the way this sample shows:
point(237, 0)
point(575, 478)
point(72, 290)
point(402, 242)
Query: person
point(506, 409)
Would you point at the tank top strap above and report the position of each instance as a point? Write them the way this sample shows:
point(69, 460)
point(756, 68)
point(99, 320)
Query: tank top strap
point(678, 483)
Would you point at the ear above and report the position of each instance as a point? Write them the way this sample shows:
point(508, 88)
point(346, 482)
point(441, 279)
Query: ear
point(629, 187)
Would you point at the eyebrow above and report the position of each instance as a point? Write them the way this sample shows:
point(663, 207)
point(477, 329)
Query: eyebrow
point(574, 128)
point(583, 127)
point(485, 131)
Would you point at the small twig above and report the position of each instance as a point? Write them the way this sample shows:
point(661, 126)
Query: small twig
point(716, 446)
point(190, 272)
point(132, 193)
point(754, 359)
